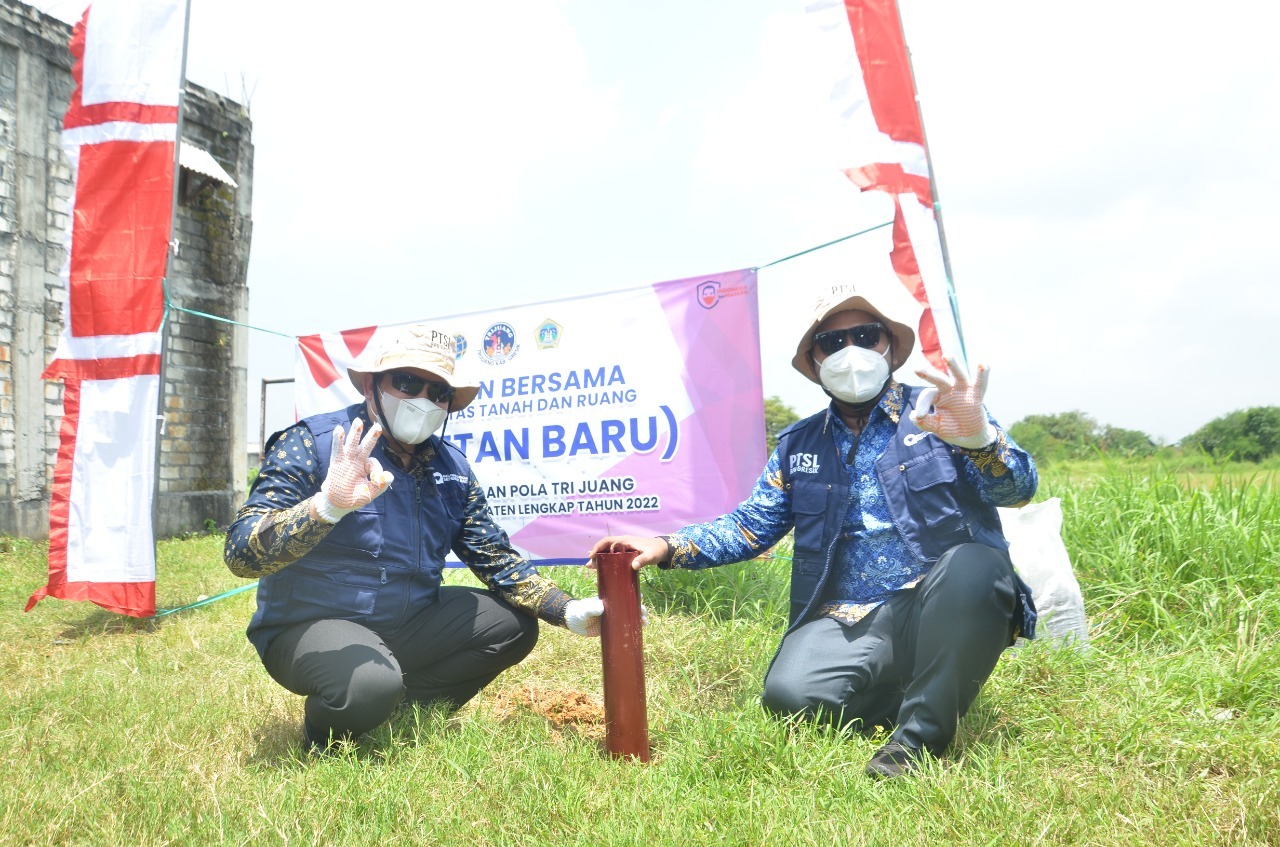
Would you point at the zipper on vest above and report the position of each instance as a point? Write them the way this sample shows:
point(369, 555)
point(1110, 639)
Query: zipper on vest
point(383, 575)
point(417, 528)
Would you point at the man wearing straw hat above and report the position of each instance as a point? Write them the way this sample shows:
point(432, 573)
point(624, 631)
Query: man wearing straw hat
point(347, 533)
point(902, 593)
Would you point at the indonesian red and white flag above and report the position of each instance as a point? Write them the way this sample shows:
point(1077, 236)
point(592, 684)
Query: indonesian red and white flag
point(119, 135)
point(876, 99)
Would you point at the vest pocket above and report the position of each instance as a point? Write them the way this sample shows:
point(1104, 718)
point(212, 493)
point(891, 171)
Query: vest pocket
point(805, 573)
point(331, 595)
point(922, 496)
point(809, 516)
point(360, 531)
point(933, 468)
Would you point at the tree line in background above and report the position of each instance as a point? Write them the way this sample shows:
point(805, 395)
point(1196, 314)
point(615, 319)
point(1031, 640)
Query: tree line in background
point(1248, 435)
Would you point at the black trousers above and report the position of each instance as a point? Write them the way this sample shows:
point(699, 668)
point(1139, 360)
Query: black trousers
point(353, 678)
point(916, 662)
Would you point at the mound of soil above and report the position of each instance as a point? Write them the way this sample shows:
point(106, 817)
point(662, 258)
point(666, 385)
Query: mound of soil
point(578, 711)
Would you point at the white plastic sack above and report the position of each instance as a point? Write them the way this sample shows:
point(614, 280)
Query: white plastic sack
point(1034, 533)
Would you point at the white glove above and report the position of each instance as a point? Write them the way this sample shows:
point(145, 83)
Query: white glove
point(582, 617)
point(957, 416)
point(354, 479)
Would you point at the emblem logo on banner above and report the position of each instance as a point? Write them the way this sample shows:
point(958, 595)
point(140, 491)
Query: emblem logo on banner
point(549, 334)
point(459, 346)
point(499, 344)
point(708, 294)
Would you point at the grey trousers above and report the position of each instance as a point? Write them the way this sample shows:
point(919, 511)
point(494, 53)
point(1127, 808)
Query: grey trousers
point(916, 662)
point(353, 678)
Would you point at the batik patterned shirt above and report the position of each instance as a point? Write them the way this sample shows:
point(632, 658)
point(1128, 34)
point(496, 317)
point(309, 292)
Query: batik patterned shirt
point(274, 527)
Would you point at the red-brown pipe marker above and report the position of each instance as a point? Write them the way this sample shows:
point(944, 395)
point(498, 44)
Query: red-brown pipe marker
point(625, 712)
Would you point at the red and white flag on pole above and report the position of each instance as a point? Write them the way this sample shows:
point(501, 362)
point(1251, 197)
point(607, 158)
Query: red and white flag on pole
point(876, 98)
point(119, 134)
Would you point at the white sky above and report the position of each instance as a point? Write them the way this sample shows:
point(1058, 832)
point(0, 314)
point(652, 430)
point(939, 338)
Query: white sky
point(1105, 171)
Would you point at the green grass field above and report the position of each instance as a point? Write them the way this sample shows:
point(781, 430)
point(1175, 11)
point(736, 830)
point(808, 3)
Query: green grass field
point(1167, 731)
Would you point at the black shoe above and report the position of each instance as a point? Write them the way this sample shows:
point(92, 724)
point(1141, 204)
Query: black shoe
point(894, 759)
point(316, 743)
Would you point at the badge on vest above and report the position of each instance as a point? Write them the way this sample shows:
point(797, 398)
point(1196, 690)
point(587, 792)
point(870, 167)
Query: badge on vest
point(914, 438)
point(804, 462)
point(442, 478)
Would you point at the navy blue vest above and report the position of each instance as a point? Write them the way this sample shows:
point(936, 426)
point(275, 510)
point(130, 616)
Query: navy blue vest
point(379, 564)
point(932, 505)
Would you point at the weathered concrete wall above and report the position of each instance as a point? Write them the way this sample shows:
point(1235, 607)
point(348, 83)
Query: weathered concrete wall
point(201, 472)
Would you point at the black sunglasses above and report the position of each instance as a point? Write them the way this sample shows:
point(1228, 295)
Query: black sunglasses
point(412, 385)
point(866, 336)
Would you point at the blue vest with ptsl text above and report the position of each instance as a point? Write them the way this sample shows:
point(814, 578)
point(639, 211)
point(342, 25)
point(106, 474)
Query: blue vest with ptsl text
point(932, 505)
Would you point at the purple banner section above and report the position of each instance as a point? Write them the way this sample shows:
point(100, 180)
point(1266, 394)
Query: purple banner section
point(708, 404)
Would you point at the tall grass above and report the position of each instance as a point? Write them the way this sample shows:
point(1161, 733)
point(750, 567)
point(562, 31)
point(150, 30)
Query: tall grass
point(1184, 560)
point(115, 731)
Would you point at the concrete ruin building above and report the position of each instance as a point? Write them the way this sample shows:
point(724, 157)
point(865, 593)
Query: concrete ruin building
point(201, 463)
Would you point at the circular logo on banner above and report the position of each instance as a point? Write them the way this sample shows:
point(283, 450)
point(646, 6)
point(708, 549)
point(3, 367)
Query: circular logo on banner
point(499, 344)
point(459, 346)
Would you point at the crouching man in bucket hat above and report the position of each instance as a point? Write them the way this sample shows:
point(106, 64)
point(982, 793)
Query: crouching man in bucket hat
point(902, 593)
point(347, 527)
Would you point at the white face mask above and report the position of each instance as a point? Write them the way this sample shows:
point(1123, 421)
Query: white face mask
point(854, 374)
point(412, 420)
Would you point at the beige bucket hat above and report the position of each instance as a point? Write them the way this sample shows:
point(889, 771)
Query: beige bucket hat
point(843, 297)
point(420, 346)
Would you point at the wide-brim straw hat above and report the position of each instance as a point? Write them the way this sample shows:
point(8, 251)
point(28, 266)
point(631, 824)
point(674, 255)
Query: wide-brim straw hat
point(844, 297)
point(426, 348)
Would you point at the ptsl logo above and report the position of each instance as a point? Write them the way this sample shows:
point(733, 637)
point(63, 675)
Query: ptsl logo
point(499, 344)
point(459, 346)
point(804, 462)
point(710, 292)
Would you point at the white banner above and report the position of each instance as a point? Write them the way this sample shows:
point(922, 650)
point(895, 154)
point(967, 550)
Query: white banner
point(636, 411)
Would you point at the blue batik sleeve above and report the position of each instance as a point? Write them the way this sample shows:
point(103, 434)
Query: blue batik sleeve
point(1002, 473)
point(758, 523)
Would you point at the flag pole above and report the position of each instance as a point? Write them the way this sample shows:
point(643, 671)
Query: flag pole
point(933, 190)
point(168, 268)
